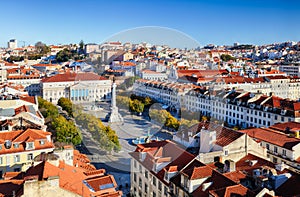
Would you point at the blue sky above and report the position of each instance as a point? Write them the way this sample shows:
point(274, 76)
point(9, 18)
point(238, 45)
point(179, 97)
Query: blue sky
point(93, 21)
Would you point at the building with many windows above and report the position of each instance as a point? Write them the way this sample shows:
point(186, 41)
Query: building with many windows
point(281, 142)
point(153, 165)
point(233, 107)
point(78, 87)
point(19, 148)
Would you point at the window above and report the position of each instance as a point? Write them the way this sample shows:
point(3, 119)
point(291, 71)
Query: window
point(159, 186)
point(146, 174)
point(16, 145)
point(226, 152)
point(283, 152)
point(146, 188)
point(154, 181)
point(140, 182)
point(1, 160)
point(30, 156)
point(275, 149)
point(185, 181)
point(268, 146)
point(42, 142)
point(134, 177)
point(140, 167)
point(274, 160)
point(154, 194)
point(134, 163)
point(29, 145)
point(166, 190)
point(17, 158)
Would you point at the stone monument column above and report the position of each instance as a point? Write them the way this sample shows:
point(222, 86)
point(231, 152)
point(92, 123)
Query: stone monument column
point(114, 115)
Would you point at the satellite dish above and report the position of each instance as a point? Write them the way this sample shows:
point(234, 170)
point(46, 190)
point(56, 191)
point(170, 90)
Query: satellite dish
point(7, 144)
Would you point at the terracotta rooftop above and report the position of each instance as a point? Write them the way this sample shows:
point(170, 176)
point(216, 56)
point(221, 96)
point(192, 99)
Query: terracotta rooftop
point(20, 137)
point(176, 156)
point(71, 76)
point(217, 180)
point(43, 171)
point(234, 190)
point(286, 126)
point(273, 137)
point(244, 163)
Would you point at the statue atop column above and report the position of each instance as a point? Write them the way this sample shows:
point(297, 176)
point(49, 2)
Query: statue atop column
point(114, 115)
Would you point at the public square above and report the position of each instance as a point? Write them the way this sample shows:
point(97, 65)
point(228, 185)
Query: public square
point(118, 164)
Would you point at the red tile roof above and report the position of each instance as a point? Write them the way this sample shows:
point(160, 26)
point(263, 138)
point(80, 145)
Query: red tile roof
point(73, 77)
point(198, 172)
point(45, 65)
point(201, 73)
point(273, 137)
point(96, 183)
point(244, 163)
point(286, 126)
point(224, 136)
point(170, 152)
point(236, 176)
point(234, 190)
point(43, 171)
point(217, 181)
point(21, 137)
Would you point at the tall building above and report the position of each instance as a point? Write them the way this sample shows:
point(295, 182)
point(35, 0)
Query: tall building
point(12, 44)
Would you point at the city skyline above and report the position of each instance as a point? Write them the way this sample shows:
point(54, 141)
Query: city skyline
point(217, 22)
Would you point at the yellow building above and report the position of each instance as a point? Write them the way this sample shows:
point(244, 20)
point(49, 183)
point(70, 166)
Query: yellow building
point(19, 148)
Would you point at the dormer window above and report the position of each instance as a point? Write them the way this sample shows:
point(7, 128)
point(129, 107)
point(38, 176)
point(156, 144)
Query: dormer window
point(16, 145)
point(29, 146)
point(42, 142)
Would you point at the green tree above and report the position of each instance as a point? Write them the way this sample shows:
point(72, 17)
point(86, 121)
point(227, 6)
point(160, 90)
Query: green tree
point(136, 106)
point(160, 116)
point(64, 55)
point(66, 105)
point(172, 122)
point(47, 109)
point(66, 131)
point(81, 47)
point(123, 102)
point(42, 48)
point(106, 137)
point(226, 57)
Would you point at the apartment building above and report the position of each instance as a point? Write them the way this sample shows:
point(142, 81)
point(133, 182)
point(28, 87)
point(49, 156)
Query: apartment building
point(233, 107)
point(19, 148)
point(290, 69)
point(217, 143)
point(281, 142)
point(153, 165)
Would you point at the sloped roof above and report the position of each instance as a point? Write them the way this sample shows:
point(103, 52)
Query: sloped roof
point(169, 152)
point(44, 170)
point(234, 190)
point(273, 137)
point(72, 76)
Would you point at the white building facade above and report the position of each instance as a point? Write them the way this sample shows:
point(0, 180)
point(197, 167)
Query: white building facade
point(78, 87)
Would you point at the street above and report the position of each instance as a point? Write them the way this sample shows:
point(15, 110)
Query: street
point(118, 164)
